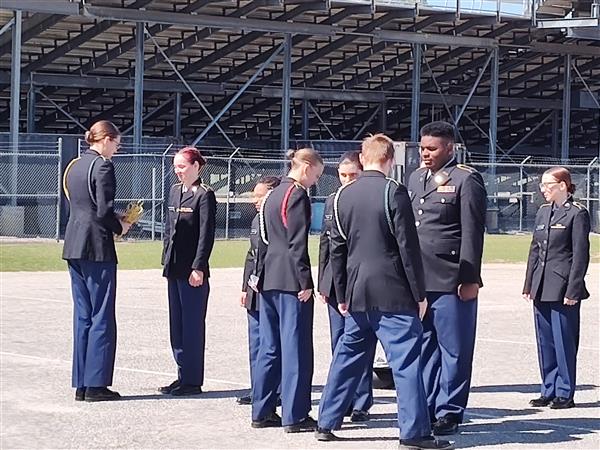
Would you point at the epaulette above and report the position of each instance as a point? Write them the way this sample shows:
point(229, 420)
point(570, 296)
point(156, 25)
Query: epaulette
point(396, 182)
point(579, 206)
point(465, 167)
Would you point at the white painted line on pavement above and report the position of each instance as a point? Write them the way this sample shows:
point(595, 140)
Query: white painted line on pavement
point(124, 369)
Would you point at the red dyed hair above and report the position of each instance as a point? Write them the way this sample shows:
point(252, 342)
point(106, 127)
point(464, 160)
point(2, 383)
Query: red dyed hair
point(562, 174)
point(192, 155)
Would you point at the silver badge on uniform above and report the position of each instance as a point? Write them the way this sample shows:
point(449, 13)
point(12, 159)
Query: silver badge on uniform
point(540, 227)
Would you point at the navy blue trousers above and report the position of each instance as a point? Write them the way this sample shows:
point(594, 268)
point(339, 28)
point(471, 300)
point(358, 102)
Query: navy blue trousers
point(363, 399)
point(286, 355)
point(187, 315)
point(400, 336)
point(94, 286)
point(448, 345)
point(557, 331)
point(253, 340)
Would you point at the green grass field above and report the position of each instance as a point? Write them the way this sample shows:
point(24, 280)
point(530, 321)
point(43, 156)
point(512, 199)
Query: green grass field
point(35, 256)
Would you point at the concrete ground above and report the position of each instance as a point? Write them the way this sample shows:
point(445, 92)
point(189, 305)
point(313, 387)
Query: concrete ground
point(38, 410)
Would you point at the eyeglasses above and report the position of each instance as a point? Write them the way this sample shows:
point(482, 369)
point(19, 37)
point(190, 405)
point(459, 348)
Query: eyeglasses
point(547, 185)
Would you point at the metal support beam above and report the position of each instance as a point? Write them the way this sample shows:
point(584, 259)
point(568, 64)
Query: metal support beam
point(238, 94)
point(383, 117)
point(434, 39)
point(493, 128)
point(31, 97)
point(416, 92)
point(15, 100)
point(177, 117)
point(285, 100)
point(305, 120)
point(138, 96)
point(178, 73)
point(15, 81)
point(204, 20)
point(474, 87)
point(555, 128)
point(63, 7)
point(566, 112)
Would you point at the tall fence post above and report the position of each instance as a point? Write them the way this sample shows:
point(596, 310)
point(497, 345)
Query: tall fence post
point(229, 160)
point(521, 193)
point(164, 180)
point(153, 221)
point(58, 187)
point(588, 183)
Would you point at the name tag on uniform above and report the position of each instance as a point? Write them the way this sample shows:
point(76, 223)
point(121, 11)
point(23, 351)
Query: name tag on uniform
point(558, 226)
point(185, 209)
point(540, 227)
point(171, 208)
point(446, 189)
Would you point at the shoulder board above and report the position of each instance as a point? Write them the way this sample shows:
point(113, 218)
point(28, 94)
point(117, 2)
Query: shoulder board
point(300, 186)
point(579, 205)
point(393, 181)
point(465, 167)
point(545, 204)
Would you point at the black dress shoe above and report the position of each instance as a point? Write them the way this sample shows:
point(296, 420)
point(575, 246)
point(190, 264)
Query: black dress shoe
point(244, 400)
point(425, 444)
point(80, 394)
point(271, 421)
point(100, 394)
point(359, 416)
point(184, 390)
point(304, 426)
point(325, 435)
point(562, 403)
point(169, 388)
point(540, 401)
point(445, 426)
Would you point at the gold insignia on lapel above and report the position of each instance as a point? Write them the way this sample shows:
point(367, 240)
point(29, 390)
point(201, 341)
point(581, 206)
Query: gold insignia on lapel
point(446, 189)
point(558, 226)
point(441, 178)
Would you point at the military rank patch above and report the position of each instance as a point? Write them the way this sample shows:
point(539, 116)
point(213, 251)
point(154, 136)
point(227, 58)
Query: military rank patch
point(446, 189)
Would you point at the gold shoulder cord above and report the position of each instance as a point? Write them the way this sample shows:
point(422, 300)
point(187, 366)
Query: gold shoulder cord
point(64, 180)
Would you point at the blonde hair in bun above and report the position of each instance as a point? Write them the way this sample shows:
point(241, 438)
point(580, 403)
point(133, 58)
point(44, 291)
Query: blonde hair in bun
point(304, 156)
point(101, 130)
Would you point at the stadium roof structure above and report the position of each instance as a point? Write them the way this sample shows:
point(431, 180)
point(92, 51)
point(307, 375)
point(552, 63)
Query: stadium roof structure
point(239, 72)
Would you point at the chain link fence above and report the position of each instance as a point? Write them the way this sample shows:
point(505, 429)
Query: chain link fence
point(32, 204)
point(30, 187)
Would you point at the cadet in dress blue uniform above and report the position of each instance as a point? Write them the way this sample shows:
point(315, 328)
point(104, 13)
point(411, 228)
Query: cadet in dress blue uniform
point(349, 168)
point(89, 185)
point(188, 243)
point(378, 277)
point(449, 204)
point(252, 269)
point(286, 301)
point(556, 267)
